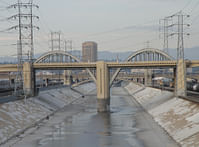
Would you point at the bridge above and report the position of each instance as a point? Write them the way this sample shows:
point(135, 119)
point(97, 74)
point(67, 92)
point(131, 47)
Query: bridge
point(145, 59)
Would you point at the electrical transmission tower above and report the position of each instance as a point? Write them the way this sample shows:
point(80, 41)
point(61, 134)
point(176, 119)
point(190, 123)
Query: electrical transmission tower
point(70, 42)
point(148, 44)
point(180, 48)
point(55, 38)
point(25, 27)
point(56, 42)
point(164, 23)
point(25, 47)
point(179, 32)
point(68, 46)
point(166, 39)
point(181, 66)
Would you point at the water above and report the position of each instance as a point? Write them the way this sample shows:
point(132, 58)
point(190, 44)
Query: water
point(79, 125)
point(91, 129)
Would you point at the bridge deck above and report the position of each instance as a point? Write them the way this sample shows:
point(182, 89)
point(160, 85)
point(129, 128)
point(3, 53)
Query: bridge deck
point(83, 65)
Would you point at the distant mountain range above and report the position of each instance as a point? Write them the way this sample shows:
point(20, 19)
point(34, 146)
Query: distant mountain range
point(190, 53)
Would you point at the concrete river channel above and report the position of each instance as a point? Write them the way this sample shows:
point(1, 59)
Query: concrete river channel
point(79, 125)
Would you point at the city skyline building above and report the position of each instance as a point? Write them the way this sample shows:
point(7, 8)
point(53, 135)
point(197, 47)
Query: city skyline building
point(89, 51)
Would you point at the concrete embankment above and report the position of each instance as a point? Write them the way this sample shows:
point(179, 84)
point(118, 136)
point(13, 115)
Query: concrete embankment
point(16, 117)
point(179, 117)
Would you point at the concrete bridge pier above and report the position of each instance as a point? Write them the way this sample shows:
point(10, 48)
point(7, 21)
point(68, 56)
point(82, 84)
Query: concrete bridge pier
point(148, 77)
point(28, 79)
point(181, 86)
point(46, 82)
point(67, 77)
point(174, 82)
point(103, 89)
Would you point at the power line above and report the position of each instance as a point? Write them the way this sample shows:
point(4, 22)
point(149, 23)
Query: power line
point(7, 44)
point(119, 39)
point(46, 26)
point(136, 44)
point(186, 5)
point(130, 27)
point(124, 28)
point(166, 33)
point(122, 38)
point(195, 6)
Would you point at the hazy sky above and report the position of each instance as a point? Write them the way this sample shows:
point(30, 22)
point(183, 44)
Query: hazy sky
point(116, 25)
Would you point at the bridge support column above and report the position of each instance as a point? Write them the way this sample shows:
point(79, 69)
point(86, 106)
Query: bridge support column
point(28, 80)
point(148, 77)
point(174, 81)
point(67, 77)
point(103, 90)
point(181, 88)
point(46, 82)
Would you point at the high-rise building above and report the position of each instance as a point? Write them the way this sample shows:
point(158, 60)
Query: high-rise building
point(89, 51)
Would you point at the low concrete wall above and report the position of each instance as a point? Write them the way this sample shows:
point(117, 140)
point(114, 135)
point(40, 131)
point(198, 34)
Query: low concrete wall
point(179, 117)
point(18, 116)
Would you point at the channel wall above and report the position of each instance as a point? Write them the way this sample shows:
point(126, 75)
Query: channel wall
point(179, 117)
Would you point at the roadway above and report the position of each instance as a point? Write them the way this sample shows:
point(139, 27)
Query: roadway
point(84, 65)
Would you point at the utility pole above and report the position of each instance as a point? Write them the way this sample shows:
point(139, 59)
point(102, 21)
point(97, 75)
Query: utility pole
point(25, 44)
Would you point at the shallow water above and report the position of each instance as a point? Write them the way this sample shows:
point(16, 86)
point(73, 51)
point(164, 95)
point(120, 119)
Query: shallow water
point(79, 125)
point(91, 129)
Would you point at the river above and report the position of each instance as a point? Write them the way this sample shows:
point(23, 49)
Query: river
point(79, 125)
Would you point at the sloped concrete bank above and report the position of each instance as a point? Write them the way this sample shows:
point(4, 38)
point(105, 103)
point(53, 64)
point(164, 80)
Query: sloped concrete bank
point(179, 117)
point(17, 117)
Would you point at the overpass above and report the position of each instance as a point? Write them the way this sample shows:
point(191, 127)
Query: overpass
point(146, 58)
